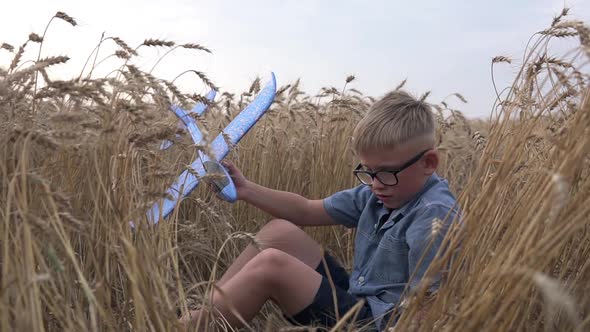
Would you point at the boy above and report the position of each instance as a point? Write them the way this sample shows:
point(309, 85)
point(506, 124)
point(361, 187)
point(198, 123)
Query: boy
point(393, 209)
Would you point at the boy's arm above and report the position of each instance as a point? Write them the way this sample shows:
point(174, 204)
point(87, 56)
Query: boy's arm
point(285, 205)
point(424, 237)
point(280, 204)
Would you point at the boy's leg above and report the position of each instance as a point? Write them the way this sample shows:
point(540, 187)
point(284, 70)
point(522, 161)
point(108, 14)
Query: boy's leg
point(284, 236)
point(271, 274)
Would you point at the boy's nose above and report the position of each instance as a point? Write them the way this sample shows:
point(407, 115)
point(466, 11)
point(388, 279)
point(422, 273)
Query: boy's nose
point(377, 184)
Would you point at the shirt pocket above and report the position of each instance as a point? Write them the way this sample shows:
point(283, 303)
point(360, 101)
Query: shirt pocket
point(390, 264)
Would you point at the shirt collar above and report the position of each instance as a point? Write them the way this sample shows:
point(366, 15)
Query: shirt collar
point(406, 208)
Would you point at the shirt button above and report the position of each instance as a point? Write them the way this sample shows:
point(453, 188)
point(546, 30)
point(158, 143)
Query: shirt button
point(361, 280)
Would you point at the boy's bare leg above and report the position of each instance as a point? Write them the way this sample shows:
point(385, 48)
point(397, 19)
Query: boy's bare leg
point(282, 235)
point(270, 275)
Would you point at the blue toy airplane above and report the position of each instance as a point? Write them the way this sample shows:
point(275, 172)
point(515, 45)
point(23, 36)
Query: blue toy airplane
point(209, 165)
point(199, 110)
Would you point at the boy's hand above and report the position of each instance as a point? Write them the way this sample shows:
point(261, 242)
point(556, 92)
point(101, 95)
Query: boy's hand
point(239, 179)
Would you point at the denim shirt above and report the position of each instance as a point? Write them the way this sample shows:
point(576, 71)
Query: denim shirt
point(385, 256)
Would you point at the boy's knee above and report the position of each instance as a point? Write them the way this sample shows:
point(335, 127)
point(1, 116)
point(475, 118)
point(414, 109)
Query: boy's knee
point(278, 228)
point(272, 257)
point(269, 263)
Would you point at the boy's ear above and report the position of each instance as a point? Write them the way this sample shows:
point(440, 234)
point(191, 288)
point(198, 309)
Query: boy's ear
point(430, 161)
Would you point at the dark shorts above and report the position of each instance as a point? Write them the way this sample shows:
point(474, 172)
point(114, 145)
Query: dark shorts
point(321, 312)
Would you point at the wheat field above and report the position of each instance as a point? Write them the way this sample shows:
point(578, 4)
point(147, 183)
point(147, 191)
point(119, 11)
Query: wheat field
point(80, 158)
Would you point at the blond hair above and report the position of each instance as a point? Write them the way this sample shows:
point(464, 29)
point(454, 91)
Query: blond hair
point(397, 118)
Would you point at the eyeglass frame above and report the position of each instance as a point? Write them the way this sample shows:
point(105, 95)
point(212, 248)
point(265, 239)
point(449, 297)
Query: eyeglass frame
point(395, 172)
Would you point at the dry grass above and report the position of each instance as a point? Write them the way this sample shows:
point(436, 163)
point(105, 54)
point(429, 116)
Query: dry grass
point(80, 159)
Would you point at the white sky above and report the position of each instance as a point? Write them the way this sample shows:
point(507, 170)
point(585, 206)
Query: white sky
point(442, 46)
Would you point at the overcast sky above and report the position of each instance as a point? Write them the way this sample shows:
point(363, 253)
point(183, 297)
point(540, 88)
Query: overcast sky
point(441, 46)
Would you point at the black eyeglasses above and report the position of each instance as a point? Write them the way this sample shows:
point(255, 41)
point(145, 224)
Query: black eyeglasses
point(388, 178)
